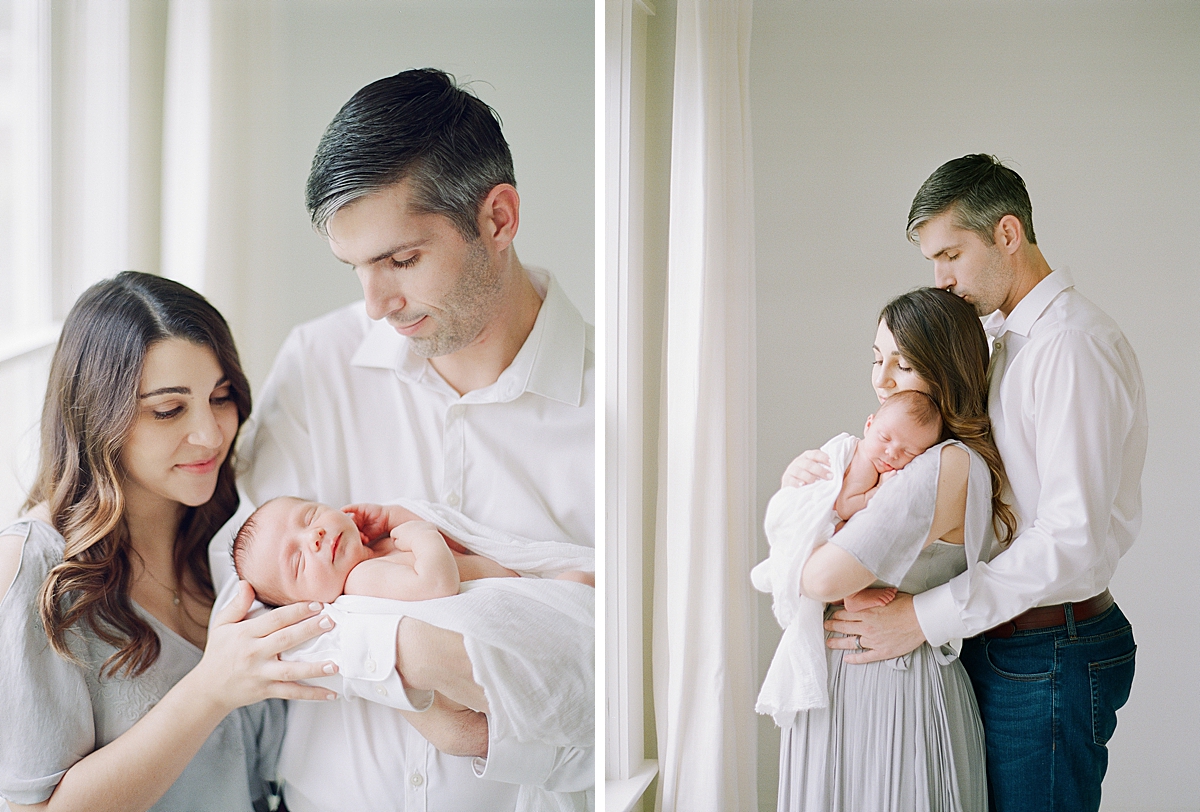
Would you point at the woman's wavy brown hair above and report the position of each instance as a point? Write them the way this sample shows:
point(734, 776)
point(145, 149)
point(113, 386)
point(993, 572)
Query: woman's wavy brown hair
point(941, 338)
point(89, 412)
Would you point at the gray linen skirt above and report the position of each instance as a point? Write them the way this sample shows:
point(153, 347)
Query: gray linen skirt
point(898, 736)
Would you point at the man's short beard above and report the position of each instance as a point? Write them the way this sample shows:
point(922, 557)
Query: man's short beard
point(467, 308)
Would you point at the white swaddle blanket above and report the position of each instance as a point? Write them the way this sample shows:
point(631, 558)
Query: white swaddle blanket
point(798, 519)
point(531, 641)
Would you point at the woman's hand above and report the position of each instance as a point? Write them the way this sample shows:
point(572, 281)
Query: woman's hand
point(807, 469)
point(875, 634)
point(241, 662)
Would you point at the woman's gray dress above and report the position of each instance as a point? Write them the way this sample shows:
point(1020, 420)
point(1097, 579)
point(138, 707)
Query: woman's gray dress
point(54, 712)
point(901, 734)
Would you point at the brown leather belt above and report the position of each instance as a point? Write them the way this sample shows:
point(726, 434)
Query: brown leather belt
point(1044, 617)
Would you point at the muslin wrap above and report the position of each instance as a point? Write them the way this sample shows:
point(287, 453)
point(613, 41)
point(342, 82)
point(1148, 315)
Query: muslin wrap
point(798, 520)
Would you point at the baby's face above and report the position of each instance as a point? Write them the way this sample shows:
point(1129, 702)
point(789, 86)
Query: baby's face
point(893, 439)
point(303, 551)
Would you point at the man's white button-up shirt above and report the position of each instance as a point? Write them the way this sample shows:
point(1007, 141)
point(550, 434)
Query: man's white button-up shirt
point(1069, 418)
point(349, 414)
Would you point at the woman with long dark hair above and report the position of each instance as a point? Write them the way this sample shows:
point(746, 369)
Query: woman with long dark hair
point(905, 734)
point(116, 695)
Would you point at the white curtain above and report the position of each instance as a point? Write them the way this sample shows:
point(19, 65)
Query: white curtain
point(704, 610)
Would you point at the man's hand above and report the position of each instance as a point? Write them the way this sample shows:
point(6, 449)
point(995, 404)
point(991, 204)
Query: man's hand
point(883, 632)
point(452, 728)
point(807, 469)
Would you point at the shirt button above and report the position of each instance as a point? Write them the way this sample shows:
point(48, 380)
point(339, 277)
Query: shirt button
point(999, 345)
point(452, 500)
point(416, 779)
point(379, 689)
point(370, 666)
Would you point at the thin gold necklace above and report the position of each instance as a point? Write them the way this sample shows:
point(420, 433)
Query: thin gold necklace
point(174, 592)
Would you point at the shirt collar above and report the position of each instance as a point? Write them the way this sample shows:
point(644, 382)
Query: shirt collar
point(550, 363)
point(1031, 307)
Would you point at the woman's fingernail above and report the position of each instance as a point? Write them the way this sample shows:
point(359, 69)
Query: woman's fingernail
point(329, 668)
point(326, 624)
point(314, 607)
point(330, 696)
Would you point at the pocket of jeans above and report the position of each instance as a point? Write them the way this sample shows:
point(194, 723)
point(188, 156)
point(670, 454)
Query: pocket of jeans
point(1111, 680)
point(1022, 659)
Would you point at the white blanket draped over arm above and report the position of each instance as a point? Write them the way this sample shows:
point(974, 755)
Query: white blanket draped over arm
point(798, 520)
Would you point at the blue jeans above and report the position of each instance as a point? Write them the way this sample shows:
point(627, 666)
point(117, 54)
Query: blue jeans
point(1049, 700)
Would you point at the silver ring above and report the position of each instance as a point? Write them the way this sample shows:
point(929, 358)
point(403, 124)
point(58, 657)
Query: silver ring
point(858, 643)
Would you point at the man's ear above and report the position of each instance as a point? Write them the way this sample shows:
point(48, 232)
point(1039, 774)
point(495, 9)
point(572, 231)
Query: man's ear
point(499, 216)
point(1009, 235)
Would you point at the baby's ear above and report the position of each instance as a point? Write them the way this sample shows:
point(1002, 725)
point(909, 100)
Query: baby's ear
point(867, 427)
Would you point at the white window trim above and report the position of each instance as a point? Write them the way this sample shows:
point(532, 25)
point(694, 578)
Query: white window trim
point(32, 326)
point(628, 772)
point(29, 341)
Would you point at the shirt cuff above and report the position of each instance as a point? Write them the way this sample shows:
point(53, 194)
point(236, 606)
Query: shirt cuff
point(364, 648)
point(938, 616)
point(555, 769)
point(514, 762)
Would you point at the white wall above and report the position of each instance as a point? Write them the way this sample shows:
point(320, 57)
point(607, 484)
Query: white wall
point(1097, 105)
point(295, 65)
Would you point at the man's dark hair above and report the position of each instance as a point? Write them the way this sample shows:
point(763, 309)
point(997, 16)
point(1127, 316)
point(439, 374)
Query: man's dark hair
point(417, 126)
point(979, 190)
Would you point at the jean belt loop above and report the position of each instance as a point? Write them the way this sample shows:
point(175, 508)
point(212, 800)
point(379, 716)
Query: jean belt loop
point(1069, 612)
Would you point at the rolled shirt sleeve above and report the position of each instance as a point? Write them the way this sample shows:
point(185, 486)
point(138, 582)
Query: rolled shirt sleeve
point(556, 769)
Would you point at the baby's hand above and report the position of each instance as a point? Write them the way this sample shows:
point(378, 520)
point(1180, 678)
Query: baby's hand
point(403, 535)
point(869, 598)
point(886, 475)
point(376, 521)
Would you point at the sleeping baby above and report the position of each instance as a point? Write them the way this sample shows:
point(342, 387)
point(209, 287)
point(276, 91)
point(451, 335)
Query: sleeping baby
point(902, 428)
point(292, 550)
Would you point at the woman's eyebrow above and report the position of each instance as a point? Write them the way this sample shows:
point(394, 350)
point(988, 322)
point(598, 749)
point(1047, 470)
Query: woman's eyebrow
point(167, 390)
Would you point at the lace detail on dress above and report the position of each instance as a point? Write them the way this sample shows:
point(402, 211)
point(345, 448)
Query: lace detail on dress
point(130, 698)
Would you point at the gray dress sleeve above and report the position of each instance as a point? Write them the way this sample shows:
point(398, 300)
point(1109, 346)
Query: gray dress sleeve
point(888, 534)
point(46, 725)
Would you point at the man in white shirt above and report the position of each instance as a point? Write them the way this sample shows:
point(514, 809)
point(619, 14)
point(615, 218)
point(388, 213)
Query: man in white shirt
point(1049, 653)
point(473, 387)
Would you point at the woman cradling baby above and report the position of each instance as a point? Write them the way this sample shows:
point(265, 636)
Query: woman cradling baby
point(905, 734)
point(117, 696)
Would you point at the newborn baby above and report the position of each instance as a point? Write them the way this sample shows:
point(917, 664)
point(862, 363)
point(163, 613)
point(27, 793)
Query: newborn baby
point(904, 426)
point(291, 550)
